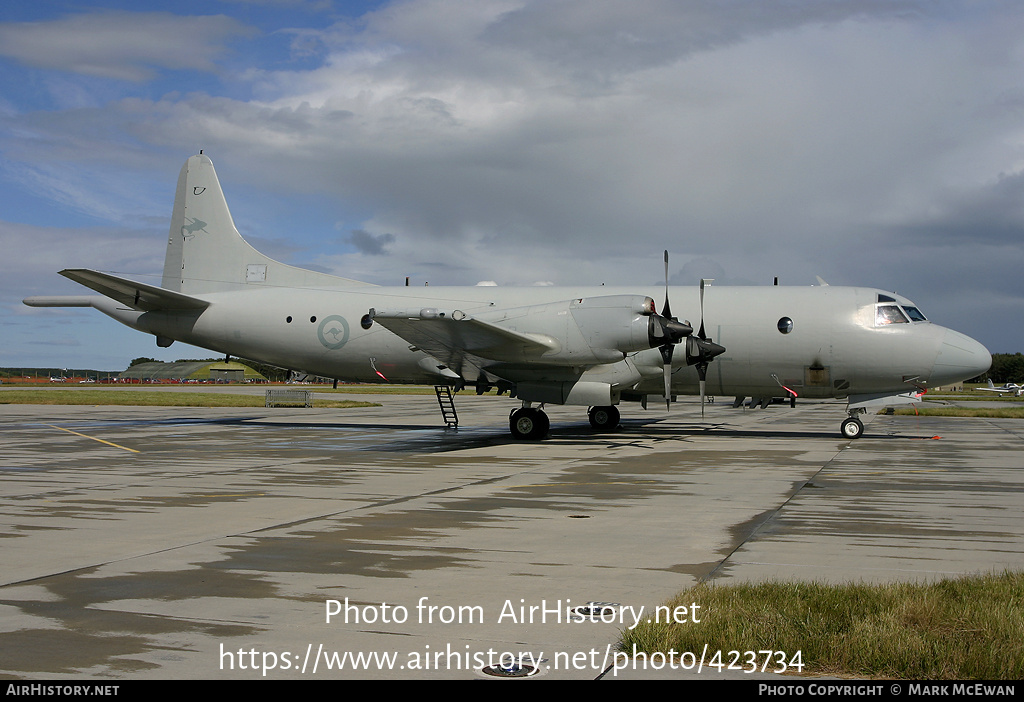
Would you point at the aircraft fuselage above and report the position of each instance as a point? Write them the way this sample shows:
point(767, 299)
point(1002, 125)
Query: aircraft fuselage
point(832, 347)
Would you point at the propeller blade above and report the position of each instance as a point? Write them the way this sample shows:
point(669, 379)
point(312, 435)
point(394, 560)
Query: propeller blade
point(666, 311)
point(668, 386)
point(701, 332)
point(702, 375)
point(670, 333)
point(666, 357)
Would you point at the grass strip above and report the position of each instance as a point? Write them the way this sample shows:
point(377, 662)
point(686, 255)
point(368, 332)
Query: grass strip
point(949, 411)
point(373, 389)
point(379, 389)
point(969, 628)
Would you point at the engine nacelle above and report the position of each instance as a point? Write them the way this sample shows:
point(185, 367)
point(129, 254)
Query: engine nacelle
point(620, 323)
point(589, 330)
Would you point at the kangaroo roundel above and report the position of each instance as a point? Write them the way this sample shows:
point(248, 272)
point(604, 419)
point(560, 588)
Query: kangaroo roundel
point(333, 332)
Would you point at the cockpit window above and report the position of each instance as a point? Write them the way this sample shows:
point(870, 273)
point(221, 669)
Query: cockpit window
point(914, 314)
point(889, 314)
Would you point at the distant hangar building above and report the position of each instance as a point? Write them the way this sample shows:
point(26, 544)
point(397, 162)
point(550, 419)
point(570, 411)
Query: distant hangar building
point(198, 371)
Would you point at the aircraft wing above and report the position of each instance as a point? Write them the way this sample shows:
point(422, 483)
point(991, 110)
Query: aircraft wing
point(138, 296)
point(455, 340)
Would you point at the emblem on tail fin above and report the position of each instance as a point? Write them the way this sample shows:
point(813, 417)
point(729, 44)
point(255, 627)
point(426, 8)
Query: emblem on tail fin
point(196, 225)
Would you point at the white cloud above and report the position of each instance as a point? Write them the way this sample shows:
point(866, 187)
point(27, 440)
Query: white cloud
point(120, 45)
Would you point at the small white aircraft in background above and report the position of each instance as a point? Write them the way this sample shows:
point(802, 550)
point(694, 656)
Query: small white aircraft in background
point(592, 347)
point(1012, 388)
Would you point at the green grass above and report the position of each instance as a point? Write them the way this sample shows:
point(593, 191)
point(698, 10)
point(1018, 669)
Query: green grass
point(970, 628)
point(381, 389)
point(144, 398)
point(374, 389)
point(950, 411)
point(974, 396)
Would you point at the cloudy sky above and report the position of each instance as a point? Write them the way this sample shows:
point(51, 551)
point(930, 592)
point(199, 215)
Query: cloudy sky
point(870, 142)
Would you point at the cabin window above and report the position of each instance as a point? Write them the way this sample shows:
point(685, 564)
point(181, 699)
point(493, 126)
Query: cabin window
point(785, 325)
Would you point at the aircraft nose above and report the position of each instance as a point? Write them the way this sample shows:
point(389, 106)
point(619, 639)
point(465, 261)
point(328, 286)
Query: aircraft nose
point(960, 358)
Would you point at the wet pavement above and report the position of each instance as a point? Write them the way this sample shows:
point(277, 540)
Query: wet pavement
point(293, 543)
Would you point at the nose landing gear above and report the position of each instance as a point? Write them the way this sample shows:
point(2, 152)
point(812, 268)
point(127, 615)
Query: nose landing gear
point(851, 428)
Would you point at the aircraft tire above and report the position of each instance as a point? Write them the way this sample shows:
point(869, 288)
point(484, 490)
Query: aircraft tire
point(602, 418)
point(851, 428)
point(529, 423)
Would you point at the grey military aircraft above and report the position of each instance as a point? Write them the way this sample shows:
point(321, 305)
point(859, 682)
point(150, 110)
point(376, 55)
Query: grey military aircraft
point(590, 347)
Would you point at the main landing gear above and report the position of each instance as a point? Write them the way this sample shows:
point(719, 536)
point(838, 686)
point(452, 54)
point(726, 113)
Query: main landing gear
point(602, 418)
point(531, 422)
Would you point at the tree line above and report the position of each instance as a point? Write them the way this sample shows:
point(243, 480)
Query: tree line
point(1006, 368)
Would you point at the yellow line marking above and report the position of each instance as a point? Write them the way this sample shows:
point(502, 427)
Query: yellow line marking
point(86, 436)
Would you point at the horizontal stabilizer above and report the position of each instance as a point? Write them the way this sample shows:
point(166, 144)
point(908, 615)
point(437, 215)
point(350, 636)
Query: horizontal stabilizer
point(138, 296)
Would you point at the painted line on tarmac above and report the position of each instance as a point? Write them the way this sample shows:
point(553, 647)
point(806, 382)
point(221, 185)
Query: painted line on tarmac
point(86, 436)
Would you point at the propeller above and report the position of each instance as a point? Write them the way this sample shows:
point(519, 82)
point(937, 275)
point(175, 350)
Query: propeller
point(700, 350)
point(673, 332)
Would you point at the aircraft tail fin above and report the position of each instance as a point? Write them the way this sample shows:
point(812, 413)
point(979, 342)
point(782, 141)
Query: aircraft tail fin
point(205, 252)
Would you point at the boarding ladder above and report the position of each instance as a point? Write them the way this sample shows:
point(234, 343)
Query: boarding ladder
point(446, 401)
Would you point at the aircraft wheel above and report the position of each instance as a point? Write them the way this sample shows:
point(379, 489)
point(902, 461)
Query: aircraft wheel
point(529, 423)
point(603, 417)
point(852, 428)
